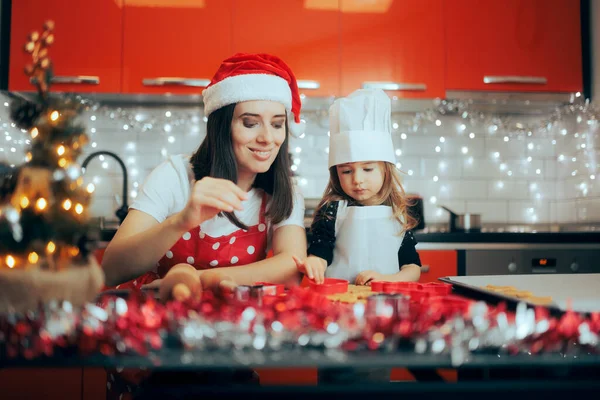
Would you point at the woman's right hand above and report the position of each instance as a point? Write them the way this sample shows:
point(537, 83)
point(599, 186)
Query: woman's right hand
point(312, 267)
point(208, 197)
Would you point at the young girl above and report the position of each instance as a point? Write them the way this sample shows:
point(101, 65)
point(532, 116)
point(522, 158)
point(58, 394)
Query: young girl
point(361, 229)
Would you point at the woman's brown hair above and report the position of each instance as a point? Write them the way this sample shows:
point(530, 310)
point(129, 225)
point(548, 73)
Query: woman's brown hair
point(391, 194)
point(215, 158)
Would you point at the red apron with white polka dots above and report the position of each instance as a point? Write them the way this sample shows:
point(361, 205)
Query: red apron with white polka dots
point(204, 252)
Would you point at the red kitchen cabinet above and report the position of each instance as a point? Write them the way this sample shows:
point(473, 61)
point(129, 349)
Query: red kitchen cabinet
point(437, 263)
point(395, 45)
point(174, 47)
point(39, 383)
point(513, 45)
point(87, 50)
point(303, 33)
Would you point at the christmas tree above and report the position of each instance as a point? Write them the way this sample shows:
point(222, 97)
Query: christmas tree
point(43, 203)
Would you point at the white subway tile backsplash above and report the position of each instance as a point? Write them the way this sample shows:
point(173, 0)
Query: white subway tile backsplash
point(508, 189)
point(482, 168)
point(528, 168)
point(442, 167)
point(419, 145)
point(471, 189)
point(540, 148)
point(426, 188)
point(513, 148)
point(491, 175)
point(104, 206)
point(411, 167)
point(528, 211)
point(564, 211)
point(588, 210)
point(491, 211)
point(550, 168)
point(542, 190)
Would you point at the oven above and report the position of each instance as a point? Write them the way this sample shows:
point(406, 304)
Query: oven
point(541, 259)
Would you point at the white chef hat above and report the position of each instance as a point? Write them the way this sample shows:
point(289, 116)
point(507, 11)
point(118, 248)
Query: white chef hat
point(360, 128)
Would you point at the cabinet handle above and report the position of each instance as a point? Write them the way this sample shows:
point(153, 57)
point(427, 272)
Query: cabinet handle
point(538, 80)
point(173, 81)
point(394, 86)
point(312, 85)
point(425, 268)
point(77, 79)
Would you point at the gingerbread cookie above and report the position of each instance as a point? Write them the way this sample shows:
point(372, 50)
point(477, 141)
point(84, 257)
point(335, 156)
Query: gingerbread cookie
point(520, 294)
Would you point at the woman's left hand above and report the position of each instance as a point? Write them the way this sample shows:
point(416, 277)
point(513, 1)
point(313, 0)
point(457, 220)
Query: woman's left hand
point(366, 277)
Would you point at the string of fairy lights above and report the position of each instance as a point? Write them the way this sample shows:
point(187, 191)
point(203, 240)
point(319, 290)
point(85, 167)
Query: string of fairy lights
point(571, 129)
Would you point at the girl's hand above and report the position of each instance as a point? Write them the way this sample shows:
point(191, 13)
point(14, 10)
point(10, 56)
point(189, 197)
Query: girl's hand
point(155, 284)
point(208, 197)
point(366, 277)
point(313, 267)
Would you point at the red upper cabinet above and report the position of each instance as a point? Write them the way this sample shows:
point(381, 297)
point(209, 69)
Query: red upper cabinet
point(513, 45)
point(87, 49)
point(397, 45)
point(303, 33)
point(174, 46)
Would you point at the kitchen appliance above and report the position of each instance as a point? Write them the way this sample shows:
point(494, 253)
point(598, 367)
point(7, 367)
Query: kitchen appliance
point(468, 222)
point(534, 259)
point(415, 210)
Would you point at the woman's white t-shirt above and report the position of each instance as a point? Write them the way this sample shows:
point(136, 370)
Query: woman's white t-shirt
point(166, 191)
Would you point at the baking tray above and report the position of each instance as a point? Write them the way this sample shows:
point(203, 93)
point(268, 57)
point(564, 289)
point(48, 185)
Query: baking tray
point(579, 291)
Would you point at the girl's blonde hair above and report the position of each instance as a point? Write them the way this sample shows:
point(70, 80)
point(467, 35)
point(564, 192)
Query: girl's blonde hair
point(391, 194)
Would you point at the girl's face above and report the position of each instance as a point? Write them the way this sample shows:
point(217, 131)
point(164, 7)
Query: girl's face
point(361, 180)
point(257, 132)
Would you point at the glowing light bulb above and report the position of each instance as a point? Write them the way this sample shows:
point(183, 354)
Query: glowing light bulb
point(33, 257)
point(41, 203)
point(24, 202)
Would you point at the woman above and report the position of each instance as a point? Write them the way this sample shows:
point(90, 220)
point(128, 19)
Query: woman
point(225, 206)
point(231, 201)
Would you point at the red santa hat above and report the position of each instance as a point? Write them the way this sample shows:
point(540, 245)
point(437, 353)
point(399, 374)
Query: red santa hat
point(246, 77)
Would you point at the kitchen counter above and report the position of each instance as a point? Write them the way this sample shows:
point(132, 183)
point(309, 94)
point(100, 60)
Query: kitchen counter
point(509, 237)
point(508, 240)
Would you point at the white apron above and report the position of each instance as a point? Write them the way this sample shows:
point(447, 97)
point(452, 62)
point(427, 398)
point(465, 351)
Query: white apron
point(366, 239)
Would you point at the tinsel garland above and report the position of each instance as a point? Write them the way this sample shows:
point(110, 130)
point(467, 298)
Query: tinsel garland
point(300, 318)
